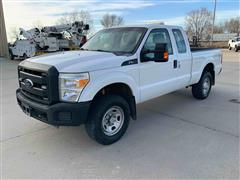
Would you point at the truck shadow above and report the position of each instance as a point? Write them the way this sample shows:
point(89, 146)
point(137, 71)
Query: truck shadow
point(148, 113)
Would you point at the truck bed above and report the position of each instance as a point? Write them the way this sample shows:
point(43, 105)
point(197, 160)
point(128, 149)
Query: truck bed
point(201, 57)
point(194, 49)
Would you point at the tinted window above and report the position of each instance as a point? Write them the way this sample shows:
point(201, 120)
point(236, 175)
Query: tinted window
point(158, 36)
point(180, 41)
point(123, 40)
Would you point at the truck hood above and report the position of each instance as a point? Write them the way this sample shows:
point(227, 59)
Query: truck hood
point(80, 61)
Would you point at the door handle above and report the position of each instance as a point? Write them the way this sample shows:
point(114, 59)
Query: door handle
point(175, 64)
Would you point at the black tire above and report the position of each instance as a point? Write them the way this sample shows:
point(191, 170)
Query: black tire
point(24, 56)
point(236, 49)
point(199, 91)
point(229, 47)
point(98, 111)
point(11, 55)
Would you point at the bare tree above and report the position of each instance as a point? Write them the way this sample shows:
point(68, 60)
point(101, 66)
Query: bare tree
point(233, 25)
point(14, 34)
point(219, 28)
point(109, 20)
point(69, 18)
point(38, 24)
point(198, 23)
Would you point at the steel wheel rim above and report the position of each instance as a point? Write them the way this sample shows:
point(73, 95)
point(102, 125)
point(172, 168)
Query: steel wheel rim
point(113, 120)
point(206, 85)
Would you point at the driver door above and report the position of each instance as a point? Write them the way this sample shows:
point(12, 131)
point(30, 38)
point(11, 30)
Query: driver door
point(157, 78)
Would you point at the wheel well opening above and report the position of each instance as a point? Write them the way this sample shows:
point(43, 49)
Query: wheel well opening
point(122, 90)
point(210, 68)
point(116, 88)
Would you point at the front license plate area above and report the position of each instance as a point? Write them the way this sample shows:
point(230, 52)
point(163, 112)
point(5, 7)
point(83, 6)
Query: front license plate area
point(26, 109)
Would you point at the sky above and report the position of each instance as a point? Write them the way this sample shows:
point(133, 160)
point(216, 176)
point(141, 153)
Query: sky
point(26, 13)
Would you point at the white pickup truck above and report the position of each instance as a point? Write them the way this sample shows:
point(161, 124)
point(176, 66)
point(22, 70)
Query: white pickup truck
point(100, 85)
point(234, 44)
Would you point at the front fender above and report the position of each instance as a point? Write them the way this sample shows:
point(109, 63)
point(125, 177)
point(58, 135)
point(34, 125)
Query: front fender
point(97, 82)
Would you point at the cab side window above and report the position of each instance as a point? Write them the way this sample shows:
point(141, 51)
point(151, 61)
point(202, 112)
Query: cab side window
point(181, 46)
point(157, 36)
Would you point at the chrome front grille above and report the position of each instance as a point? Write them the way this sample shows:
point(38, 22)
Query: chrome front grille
point(40, 85)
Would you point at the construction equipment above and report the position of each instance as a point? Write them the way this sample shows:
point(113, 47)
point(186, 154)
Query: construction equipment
point(49, 39)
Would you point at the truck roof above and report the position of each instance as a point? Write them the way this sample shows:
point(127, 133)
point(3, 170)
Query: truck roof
point(150, 26)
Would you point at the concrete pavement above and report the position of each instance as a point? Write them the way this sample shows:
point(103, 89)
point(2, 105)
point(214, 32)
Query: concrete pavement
point(175, 136)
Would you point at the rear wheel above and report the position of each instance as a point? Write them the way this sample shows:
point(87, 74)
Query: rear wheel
point(229, 47)
point(108, 119)
point(202, 89)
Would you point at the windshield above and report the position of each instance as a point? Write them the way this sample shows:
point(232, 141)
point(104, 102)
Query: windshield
point(237, 39)
point(116, 40)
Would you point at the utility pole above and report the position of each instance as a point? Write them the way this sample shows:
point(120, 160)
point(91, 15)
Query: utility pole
point(214, 13)
point(3, 35)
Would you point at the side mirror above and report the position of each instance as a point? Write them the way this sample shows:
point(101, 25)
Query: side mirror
point(161, 53)
point(233, 41)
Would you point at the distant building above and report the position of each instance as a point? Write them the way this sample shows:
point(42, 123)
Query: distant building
point(3, 35)
point(224, 36)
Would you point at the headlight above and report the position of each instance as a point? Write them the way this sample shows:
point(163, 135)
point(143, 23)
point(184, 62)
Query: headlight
point(71, 86)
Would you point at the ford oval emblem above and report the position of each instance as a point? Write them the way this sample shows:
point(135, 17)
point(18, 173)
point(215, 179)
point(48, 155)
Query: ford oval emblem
point(28, 83)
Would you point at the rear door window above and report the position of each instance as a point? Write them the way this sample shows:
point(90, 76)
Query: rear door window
point(181, 46)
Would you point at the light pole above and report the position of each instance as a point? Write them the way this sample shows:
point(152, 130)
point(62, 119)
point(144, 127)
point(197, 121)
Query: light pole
point(3, 35)
point(214, 13)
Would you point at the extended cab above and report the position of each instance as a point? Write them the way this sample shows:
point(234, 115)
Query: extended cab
point(100, 85)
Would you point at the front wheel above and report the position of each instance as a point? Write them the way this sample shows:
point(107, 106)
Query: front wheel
point(108, 119)
point(25, 56)
point(202, 89)
point(236, 49)
point(11, 55)
point(229, 47)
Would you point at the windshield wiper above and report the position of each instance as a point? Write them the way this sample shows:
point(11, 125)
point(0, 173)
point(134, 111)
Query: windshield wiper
point(84, 49)
point(117, 53)
point(100, 50)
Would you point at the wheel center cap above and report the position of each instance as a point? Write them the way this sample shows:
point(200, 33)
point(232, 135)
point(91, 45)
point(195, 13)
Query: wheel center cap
point(112, 120)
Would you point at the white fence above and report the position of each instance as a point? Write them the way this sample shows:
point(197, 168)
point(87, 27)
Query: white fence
point(224, 37)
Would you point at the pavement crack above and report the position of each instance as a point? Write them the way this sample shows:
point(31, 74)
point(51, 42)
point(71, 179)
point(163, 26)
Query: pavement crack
point(194, 123)
point(18, 136)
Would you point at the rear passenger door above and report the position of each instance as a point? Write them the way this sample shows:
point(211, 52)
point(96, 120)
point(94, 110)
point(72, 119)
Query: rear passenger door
point(183, 61)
